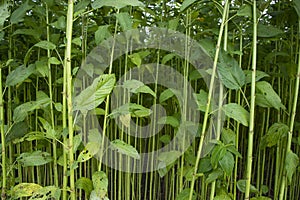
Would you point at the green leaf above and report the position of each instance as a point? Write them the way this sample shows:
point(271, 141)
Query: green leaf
point(291, 164)
point(171, 120)
point(167, 58)
point(165, 95)
point(268, 31)
point(31, 32)
point(19, 14)
point(125, 20)
point(116, 3)
point(133, 109)
point(60, 23)
point(42, 68)
point(201, 100)
point(237, 112)
point(297, 7)
point(17, 130)
point(35, 158)
point(267, 97)
point(102, 33)
point(4, 14)
point(217, 154)
point(169, 157)
point(19, 75)
point(241, 184)
point(85, 184)
point(223, 197)
point(258, 75)
point(94, 95)
point(245, 10)
point(205, 165)
point(231, 75)
point(227, 163)
point(184, 195)
point(165, 139)
point(274, 135)
point(48, 192)
point(228, 136)
point(54, 61)
point(24, 190)
point(124, 148)
point(100, 183)
point(20, 112)
point(214, 175)
point(186, 4)
point(45, 45)
point(136, 86)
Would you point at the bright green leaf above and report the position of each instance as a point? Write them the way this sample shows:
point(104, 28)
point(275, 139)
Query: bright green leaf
point(237, 112)
point(227, 163)
point(94, 95)
point(266, 96)
point(45, 45)
point(291, 164)
point(124, 148)
point(116, 3)
point(125, 20)
point(35, 158)
point(241, 184)
point(24, 190)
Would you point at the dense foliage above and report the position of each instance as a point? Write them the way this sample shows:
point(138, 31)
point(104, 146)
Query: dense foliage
point(235, 140)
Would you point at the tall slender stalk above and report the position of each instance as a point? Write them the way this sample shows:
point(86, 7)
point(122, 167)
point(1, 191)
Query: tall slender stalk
point(292, 119)
point(3, 149)
point(252, 105)
point(68, 75)
point(51, 104)
point(211, 88)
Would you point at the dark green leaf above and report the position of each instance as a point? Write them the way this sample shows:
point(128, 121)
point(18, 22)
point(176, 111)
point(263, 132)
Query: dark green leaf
point(19, 14)
point(186, 4)
point(214, 175)
point(245, 10)
point(268, 31)
point(17, 130)
point(85, 184)
point(19, 75)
